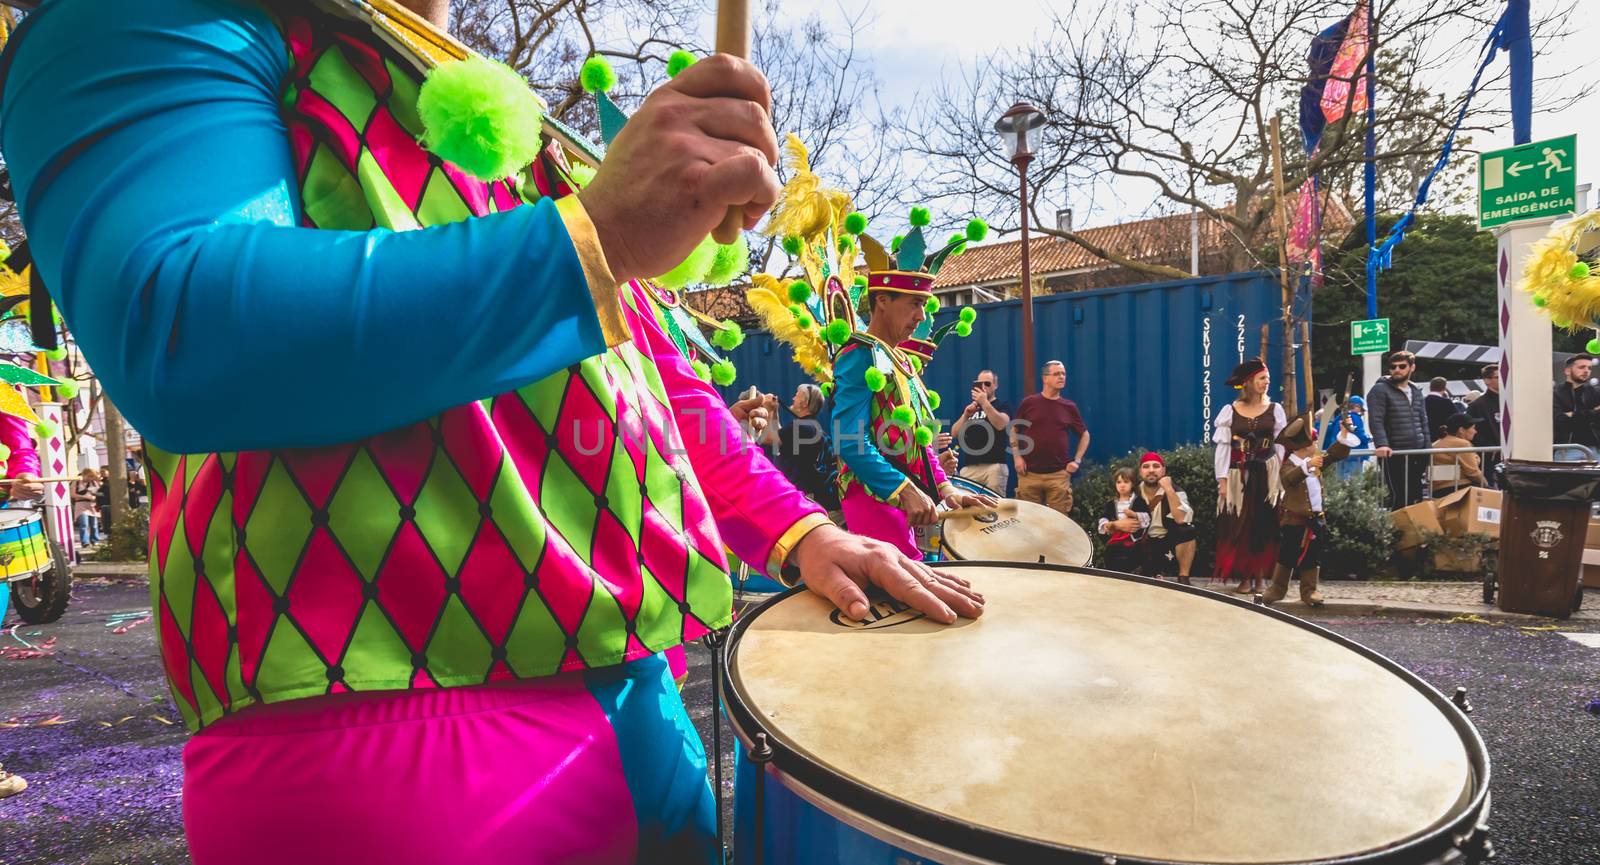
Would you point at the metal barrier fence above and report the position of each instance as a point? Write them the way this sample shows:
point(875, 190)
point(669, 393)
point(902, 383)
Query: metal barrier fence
point(1415, 474)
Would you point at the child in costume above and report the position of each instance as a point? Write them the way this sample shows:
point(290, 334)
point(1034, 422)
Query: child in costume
point(420, 619)
point(1302, 528)
point(1124, 517)
point(889, 477)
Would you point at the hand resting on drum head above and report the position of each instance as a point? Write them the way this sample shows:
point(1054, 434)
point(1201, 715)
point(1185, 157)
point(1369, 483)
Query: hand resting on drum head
point(840, 566)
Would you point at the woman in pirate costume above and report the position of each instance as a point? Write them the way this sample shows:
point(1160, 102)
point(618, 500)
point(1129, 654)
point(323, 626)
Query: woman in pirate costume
point(883, 415)
point(417, 545)
point(1247, 480)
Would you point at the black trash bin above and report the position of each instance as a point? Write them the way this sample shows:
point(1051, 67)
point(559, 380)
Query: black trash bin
point(1543, 523)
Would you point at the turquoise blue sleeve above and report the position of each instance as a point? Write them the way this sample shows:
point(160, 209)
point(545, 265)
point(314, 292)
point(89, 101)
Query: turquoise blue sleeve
point(852, 417)
point(153, 174)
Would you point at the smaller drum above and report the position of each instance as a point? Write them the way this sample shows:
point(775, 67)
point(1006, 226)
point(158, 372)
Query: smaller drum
point(1032, 533)
point(24, 550)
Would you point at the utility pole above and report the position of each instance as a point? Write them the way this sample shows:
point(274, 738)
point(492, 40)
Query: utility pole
point(1290, 396)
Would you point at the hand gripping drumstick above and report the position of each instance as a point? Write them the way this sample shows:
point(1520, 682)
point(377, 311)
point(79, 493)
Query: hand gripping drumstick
point(1006, 506)
point(733, 37)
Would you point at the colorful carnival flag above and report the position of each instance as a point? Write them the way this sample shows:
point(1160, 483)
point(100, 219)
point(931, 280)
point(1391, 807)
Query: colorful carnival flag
point(1346, 88)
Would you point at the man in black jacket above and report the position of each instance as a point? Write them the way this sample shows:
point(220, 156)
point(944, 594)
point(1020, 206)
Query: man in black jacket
point(1397, 418)
point(1575, 404)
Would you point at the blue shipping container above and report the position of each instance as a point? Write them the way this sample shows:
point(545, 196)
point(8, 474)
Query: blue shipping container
point(1147, 364)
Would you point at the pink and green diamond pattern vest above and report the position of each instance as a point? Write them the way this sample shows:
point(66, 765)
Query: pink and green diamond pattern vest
point(558, 527)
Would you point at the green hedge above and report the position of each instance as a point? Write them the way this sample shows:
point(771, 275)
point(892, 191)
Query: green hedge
point(1361, 538)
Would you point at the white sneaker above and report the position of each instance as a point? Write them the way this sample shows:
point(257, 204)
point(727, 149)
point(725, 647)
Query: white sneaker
point(11, 785)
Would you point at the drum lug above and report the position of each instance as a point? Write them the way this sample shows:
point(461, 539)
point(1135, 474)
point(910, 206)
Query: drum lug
point(1259, 600)
point(760, 751)
point(1460, 699)
point(1109, 860)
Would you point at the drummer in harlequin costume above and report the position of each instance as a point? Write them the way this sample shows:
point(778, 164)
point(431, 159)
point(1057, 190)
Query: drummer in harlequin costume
point(417, 545)
point(1302, 528)
point(883, 415)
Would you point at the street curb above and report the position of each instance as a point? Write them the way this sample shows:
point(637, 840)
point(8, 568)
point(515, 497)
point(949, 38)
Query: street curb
point(1412, 609)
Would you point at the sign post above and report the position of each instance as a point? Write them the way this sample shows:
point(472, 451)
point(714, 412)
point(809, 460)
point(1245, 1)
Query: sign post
point(1369, 337)
point(1530, 181)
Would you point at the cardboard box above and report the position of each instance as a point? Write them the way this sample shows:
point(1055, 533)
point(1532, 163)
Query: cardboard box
point(1412, 522)
point(1472, 511)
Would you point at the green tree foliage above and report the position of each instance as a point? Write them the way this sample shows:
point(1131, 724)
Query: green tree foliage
point(1442, 287)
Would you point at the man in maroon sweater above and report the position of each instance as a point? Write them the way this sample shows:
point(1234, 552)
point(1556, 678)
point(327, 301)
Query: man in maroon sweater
point(1041, 437)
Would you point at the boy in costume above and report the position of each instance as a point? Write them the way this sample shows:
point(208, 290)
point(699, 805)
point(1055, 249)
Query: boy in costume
point(1302, 529)
point(420, 619)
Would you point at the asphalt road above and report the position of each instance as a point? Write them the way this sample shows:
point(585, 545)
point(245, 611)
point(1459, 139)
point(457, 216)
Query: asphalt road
point(85, 722)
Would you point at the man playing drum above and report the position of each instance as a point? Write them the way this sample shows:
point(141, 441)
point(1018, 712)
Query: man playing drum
point(421, 618)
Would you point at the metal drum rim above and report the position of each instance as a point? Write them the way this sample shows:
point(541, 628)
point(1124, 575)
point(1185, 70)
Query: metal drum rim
point(1428, 845)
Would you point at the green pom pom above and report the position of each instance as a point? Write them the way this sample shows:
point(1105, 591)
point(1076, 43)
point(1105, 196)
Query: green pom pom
point(728, 261)
point(597, 76)
point(701, 371)
point(845, 244)
point(932, 306)
point(963, 328)
point(934, 400)
point(678, 61)
point(920, 216)
point(67, 389)
point(837, 332)
point(799, 291)
point(968, 314)
point(1593, 347)
point(793, 244)
point(875, 379)
point(803, 321)
point(692, 269)
point(57, 353)
point(977, 230)
point(480, 115)
point(581, 174)
point(856, 222)
point(1539, 301)
point(1579, 270)
point(860, 282)
point(5, 452)
point(894, 245)
point(959, 241)
point(924, 436)
point(916, 364)
point(722, 373)
point(729, 337)
point(827, 390)
point(903, 415)
point(44, 429)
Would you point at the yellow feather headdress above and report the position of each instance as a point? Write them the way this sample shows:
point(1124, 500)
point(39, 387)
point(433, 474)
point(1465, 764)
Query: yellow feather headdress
point(1560, 276)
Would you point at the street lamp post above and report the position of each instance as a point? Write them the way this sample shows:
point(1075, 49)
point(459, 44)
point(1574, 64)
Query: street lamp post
point(1014, 126)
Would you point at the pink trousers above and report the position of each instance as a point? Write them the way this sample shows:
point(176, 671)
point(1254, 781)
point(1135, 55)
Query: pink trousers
point(578, 768)
point(865, 515)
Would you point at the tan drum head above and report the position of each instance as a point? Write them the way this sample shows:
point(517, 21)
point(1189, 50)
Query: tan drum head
point(1107, 715)
point(1032, 533)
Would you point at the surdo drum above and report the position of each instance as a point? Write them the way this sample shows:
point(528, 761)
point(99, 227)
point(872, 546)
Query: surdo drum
point(1089, 717)
point(1018, 532)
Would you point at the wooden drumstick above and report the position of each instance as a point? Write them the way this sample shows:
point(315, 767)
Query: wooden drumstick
point(733, 37)
point(38, 480)
point(1005, 506)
